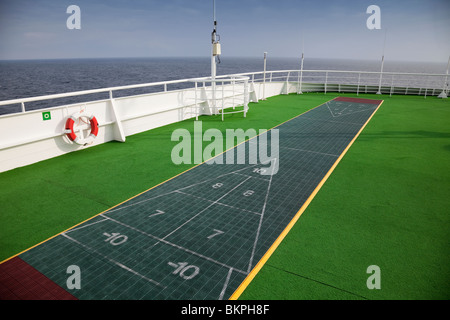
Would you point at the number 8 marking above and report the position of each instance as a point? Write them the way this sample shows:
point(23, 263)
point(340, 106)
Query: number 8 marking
point(248, 193)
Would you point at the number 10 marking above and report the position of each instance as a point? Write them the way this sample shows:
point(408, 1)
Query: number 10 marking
point(182, 269)
point(115, 238)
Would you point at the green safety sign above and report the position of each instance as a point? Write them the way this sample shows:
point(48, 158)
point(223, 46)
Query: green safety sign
point(46, 116)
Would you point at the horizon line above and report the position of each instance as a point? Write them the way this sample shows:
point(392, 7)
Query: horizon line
point(207, 58)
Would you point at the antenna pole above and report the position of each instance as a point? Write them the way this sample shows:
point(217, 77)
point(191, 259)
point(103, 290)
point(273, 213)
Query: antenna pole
point(300, 76)
point(382, 63)
point(213, 59)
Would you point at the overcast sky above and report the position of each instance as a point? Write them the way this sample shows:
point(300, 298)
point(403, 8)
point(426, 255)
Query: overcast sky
point(417, 30)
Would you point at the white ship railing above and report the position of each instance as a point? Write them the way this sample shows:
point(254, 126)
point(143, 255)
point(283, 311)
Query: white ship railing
point(426, 84)
point(111, 90)
point(33, 129)
point(223, 93)
point(306, 81)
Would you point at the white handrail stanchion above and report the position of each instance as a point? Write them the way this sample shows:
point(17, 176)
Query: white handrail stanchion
point(246, 98)
point(233, 82)
point(392, 86)
point(359, 81)
point(287, 82)
point(223, 97)
point(381, 75)
point(119, 134)
point(264, 78)
point(197, 111)
point(301, 77)
point(444, 92)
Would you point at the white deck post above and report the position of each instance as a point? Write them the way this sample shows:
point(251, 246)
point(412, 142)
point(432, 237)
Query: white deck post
point(443, 94)
point(246, 97)
point(381, 75)
point(264, 79)
point(301, 77)
point(119, 134)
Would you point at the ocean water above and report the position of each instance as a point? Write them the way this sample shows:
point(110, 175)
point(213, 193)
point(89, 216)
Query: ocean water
point(21, 79)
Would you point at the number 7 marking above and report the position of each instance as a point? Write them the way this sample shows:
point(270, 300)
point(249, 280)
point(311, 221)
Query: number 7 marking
point(158, 212)
point(216, 233)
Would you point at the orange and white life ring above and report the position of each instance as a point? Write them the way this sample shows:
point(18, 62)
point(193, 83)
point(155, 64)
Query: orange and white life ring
point(80, 139)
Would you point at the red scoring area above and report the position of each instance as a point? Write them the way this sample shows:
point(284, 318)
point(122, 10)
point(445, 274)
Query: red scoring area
point(20, 281)
point(357, 100)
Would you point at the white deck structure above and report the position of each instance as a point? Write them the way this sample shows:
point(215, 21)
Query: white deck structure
point(31, 136)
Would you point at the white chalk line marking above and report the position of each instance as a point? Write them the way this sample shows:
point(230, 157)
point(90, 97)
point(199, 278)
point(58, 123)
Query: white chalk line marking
point(114, 261)
point(174, 245)
point(260, 221)
point(225, 285)
point(219, 203)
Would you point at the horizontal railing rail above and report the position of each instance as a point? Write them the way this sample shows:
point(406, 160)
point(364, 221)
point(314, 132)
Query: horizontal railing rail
point(419, 83)
point(121, 111)
point(220, 96)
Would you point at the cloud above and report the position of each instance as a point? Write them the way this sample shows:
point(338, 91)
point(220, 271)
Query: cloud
point(247, 27)
point(39, 36)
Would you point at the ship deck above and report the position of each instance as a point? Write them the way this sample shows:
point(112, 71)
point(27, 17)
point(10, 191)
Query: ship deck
point(384, 204)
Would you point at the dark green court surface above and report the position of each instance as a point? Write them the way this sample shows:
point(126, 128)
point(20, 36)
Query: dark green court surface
point(200, 234)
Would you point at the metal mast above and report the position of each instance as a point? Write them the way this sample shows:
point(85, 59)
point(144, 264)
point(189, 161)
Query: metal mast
point(215, 52)
point(382, 62)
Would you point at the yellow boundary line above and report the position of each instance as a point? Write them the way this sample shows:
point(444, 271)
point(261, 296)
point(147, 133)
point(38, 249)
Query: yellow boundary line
point(48, 239)
point(283, 234)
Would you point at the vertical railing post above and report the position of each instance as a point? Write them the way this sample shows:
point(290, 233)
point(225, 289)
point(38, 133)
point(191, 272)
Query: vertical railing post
point(301, 82)
point(214, 97)
point(287, 82)
point(119, 135)
point(381, 75)
point(264, 77)
point(392, 86)
point(359, 81)
point(444, 92)
point(234, 92)
point(301, 76)
point(197, 108)
point(246, 97)
point(223, 96)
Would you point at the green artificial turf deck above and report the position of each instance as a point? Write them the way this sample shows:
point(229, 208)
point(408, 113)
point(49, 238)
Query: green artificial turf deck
point(385, 204)
point(46, 198)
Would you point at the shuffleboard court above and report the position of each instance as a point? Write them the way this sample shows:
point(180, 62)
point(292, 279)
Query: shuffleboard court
point(201, 234)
